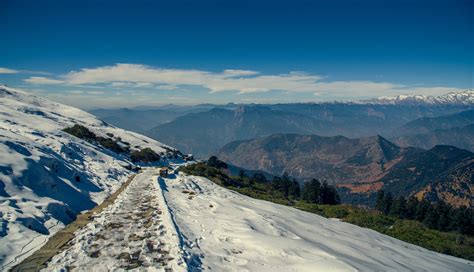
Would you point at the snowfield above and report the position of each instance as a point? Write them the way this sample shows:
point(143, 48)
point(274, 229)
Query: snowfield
point(226, 231)
point(48, 176)
point(198, 225)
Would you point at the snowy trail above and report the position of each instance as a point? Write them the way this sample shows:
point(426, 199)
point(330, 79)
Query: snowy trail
point(136, 232)
point(225, 231)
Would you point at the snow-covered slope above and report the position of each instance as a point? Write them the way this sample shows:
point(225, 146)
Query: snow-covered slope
point(46, 175)
point(225, 231)
point(454, 98)
point(197, 225)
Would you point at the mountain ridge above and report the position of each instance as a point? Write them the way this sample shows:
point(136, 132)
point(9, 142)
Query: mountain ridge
point(360, 166)
point(461, 98)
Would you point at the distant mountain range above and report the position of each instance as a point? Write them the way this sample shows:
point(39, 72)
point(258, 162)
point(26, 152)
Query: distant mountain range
point(462, 137)
point(361, 166)
point(454, 129)
point(203, 129)
point(457, 98)
point(136, 120)
point(203, 133)
point(428, 124)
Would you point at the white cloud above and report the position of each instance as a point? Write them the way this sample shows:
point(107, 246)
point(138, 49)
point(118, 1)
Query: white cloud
point(7, 71)
point(241, 81)
point(434, 91)
point(234, 72)
point(86, 92)
point(95, 92)
point(130, 84)
point(167, 87)
point(356, 86)
point(44, 81)
point(120, 84)
point(136, 75)
point(76, 92)
point(4, 70)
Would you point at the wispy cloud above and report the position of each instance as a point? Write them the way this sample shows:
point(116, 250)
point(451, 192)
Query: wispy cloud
point(240, 81)
point(4, 70)
point(44, 81)
point(7, 71)
point(136, 75)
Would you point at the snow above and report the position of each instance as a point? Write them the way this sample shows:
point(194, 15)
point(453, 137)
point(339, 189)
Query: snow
point(457, 98)
point(39, 165)
point(202, 226)
point(135, 231)
point(225, 231)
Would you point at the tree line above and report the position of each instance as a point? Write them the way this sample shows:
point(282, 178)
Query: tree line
point(438, 215)
point(312, 191)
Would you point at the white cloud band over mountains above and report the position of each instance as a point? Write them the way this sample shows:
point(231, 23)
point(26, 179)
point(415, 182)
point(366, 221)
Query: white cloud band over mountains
point(241, 81)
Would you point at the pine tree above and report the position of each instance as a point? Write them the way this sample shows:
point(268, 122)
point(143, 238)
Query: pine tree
point(379, 204)
point(311, 192)
point(242, 174)
point(259, 178)
point(384, 202)
point(412, 203)
point(285, 185)
point(444, 216)
point(329, 194)
point(398, 207)
point(421, 210)
point(295, 189)
point(431, 218)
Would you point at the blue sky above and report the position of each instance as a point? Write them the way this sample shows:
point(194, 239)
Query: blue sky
point(128, 53)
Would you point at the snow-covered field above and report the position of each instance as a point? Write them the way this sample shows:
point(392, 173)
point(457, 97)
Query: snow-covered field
point(197, 225)
point(46, 175)
point(226, 231)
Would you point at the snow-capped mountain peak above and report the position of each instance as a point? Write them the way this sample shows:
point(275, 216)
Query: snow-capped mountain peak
point(455, 98)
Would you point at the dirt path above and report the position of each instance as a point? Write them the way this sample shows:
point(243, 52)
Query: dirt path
point(135, 232)
point(59, 241)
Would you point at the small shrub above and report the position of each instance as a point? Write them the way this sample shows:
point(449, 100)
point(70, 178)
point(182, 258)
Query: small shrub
point(111, 144)
point(81, 132)
point(213, 161)
point(144, 155)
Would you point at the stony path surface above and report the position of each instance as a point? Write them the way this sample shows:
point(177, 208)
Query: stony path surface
point(136, 232)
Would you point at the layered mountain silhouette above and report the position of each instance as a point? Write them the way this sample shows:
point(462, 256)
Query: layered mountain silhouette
point(203, 133)
point(429, 124)
point(361, 166)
